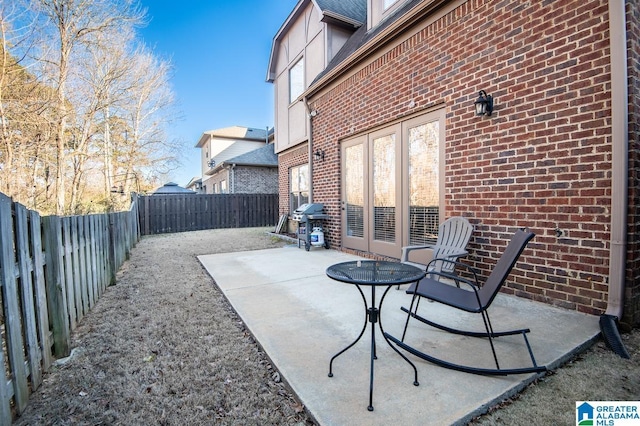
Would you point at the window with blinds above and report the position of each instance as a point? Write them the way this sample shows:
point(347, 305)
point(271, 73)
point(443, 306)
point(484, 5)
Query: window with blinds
point(384, 188)
point(354, 190)
point(424, 184)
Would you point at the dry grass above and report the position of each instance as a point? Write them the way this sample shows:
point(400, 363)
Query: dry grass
point(164, 347)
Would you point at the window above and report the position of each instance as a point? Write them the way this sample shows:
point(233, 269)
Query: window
point(296, 80)
point(223, 187)
point(299, 183)
point(388, 3)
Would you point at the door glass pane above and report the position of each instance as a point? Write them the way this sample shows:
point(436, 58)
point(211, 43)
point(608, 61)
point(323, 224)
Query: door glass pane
point(354, 190)
point(384, 188)
point(423, 183)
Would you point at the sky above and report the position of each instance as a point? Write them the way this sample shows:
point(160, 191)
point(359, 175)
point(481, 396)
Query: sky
point(219, 51)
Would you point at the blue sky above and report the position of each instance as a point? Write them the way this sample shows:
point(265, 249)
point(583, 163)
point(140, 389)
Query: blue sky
point(219, 51)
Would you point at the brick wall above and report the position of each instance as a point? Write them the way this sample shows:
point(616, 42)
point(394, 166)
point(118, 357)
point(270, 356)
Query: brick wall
point(542, 160)
point(255, 180)
point(293, 157)
point(217, 179)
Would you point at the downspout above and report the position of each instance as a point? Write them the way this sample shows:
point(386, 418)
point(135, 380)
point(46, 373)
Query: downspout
point(309, 147)
point(619, 177)
point(232, 178)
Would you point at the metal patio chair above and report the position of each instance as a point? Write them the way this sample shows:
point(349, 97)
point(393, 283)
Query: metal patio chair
point(453, 236)
point(476, 299)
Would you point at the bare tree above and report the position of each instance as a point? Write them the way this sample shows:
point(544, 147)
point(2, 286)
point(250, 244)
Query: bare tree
point(73, 24)
point(24, 111)
point(83, 105)
point(148, 110)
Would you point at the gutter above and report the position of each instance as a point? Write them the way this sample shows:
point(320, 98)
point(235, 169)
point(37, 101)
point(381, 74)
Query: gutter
point(619, 177)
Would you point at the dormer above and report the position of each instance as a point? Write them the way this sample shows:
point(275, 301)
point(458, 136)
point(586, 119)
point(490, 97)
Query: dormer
point(311, 36)
point(380, 10)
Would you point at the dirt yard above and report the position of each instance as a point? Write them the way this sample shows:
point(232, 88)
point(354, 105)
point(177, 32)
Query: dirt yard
point(164, 347)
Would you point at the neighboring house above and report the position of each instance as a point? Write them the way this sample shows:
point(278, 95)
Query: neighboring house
point(171, 188)
point(375, 118)
point(195, 184)
point(238, 160)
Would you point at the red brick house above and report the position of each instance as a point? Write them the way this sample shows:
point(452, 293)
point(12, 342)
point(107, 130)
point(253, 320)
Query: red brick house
point(383, 93)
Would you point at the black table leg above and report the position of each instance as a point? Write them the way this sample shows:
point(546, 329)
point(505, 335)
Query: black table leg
point(364, 327)
point(373, 316)
point(415, 370)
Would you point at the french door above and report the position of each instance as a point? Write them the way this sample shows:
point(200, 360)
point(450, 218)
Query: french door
point(391, 185)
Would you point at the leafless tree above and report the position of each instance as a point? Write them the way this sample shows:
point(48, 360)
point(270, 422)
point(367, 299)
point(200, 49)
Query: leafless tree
point(73, 26)
point(83, 104)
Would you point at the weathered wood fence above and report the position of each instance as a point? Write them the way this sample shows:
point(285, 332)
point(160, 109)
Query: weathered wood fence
point(52, 272)
point(169, 213)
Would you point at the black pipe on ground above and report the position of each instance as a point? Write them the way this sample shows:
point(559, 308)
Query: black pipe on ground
point(609, 329)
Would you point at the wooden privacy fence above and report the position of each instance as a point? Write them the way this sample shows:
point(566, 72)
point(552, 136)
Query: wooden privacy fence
point(169, 213)
point(52, 272)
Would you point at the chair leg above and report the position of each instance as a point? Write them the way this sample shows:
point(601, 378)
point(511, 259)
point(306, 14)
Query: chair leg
point(413, 299)
point(489, 328)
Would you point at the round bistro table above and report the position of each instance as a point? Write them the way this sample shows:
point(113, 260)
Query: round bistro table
point(374, 273)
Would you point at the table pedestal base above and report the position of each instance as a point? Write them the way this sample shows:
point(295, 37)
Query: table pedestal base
point(372, 316)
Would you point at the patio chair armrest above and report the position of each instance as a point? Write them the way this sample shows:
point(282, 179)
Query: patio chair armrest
point(475, 284)
point(453, 254)
point(407, 249)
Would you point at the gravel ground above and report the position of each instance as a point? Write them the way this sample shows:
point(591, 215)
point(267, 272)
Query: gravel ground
point(163, 347)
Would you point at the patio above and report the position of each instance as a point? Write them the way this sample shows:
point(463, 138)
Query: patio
point(301, 318)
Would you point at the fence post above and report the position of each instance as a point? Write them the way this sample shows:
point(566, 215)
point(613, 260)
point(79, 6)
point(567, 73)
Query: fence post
point(12, 324)
point(113, 268)
point(55, 286)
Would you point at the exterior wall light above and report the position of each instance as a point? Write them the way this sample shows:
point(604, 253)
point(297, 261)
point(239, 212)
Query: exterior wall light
point(318, 155)
point(484, 104)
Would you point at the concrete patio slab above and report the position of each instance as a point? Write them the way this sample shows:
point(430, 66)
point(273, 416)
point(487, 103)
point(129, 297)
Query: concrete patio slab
point(302, 318)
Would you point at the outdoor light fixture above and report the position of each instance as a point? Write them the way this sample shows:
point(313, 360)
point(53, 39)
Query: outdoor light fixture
point(318, 155)
point(484, 104)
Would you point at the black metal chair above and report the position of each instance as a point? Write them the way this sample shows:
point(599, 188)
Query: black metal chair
point(477, 299)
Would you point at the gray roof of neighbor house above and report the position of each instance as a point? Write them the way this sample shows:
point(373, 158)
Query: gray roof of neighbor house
point(235, 132)
point(262, 157)
point(172, 188)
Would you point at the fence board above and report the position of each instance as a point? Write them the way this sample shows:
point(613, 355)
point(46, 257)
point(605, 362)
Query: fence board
point(7, 275)
point(82, 258)
point(44, 336)
point(179, 213)
point(56, 293)
point(12, 320)
point(26, 295)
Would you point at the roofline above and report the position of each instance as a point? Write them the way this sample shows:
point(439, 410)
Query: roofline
point(327, 16)
point(218, 167)
point(285, 26)
point(403, 22)
point(340, 19)
point(212, 134)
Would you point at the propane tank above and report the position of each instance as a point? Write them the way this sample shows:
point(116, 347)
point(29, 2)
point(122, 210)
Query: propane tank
point(317, 237)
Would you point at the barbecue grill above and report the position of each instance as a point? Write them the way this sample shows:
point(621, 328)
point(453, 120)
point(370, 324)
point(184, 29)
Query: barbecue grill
point(309, 217)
